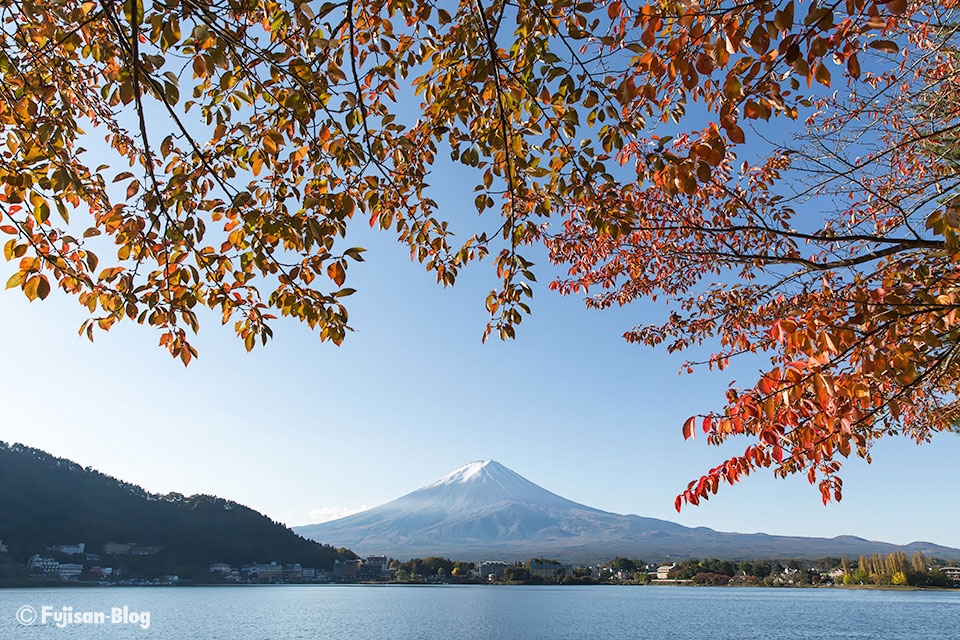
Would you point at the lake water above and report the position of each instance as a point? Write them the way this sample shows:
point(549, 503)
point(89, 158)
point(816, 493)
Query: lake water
point(476, 612)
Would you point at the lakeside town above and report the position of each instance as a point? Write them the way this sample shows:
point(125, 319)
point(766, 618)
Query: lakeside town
point(74, 562)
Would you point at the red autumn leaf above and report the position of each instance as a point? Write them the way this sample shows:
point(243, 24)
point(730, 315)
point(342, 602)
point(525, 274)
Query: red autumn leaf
point(336, 273)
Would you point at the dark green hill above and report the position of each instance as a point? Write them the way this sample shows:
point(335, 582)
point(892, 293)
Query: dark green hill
point(45, 500)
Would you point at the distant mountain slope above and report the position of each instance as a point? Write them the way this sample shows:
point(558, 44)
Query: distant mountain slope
point(486, 510)
point(46, 500)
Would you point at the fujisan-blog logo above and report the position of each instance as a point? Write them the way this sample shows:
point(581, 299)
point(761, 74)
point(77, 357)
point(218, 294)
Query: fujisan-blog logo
point(63, 617)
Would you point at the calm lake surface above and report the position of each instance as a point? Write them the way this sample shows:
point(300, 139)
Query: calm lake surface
point(491, 612)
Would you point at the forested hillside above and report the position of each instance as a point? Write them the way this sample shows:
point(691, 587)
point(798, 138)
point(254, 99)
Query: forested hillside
point(45, 500)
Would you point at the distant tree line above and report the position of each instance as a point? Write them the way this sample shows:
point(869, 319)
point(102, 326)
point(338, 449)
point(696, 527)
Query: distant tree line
point(521, 573)
point(891, 569)
point(894, 569)
point(417, 569)
point(714, 571)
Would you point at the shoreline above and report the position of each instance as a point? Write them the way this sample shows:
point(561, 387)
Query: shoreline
point(86, 585)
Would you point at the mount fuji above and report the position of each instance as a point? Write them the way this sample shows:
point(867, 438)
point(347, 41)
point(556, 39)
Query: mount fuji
point(484, 509)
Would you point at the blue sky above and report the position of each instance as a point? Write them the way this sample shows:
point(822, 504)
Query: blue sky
point(302, 429)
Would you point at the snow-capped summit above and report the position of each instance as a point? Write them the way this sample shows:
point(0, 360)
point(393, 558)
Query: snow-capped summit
point(484, 509)
point(482, 484)
point(475, 469)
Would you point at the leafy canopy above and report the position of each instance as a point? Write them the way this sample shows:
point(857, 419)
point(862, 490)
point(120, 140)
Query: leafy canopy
point(799, 154)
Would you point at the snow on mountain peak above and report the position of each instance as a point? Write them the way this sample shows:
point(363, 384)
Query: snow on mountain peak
point(466, 472)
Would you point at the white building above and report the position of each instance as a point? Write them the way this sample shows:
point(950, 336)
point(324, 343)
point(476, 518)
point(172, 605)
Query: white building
point(47, 565)
point(264, 571)
point(70, 570)
point(117, 548)
point(542, 570)
point(951, 572)
point(663, 571)
point(375, 565)
point(494, 568)
point(69, 549)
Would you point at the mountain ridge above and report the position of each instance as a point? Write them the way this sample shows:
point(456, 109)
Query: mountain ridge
point(46, 500)
point(484, 509)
